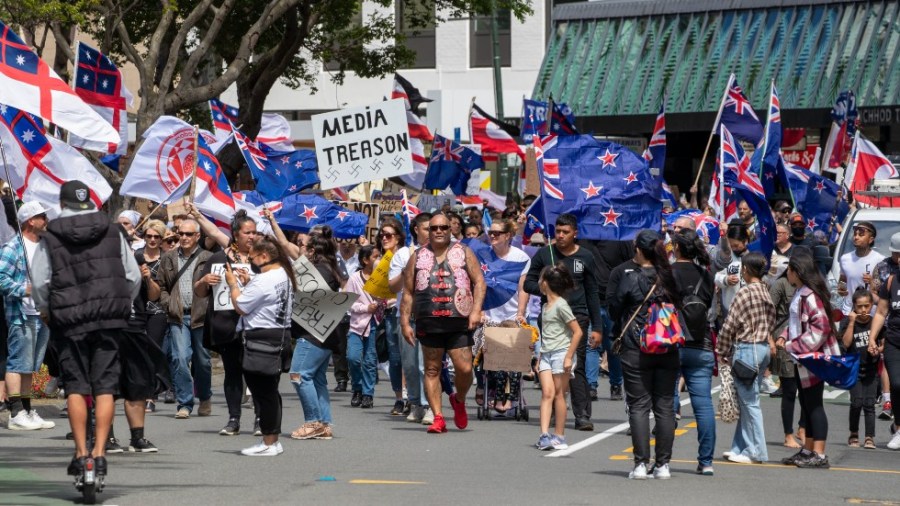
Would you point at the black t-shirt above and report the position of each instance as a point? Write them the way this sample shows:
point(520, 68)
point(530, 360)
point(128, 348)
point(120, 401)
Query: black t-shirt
point(609, 255)
point(892, 322)
point(584, 299)
point(868, 365)
point(687, 276)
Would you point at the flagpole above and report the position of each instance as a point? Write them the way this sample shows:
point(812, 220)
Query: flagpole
point(712, 133)
point(18, 225)
point(721, 185)
point(765, 138)
point(196, 162)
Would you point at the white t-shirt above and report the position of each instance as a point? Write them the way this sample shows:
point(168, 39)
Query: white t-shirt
point(508, 311)
point(27, 302)
point(398, 263)
point(853, 267)
point(267, 301)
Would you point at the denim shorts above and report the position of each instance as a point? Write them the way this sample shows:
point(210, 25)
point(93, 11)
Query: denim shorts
point(27, 345)
point(554, 361)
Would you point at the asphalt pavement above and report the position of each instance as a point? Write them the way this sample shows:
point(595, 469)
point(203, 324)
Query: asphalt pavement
point(378, 459)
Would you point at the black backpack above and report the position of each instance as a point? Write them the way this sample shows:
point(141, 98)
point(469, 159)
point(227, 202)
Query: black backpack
point(694, 314)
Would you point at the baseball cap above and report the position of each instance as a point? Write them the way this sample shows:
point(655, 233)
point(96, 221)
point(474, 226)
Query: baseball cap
point(30, 210)
point(866, 225)
point(797, 218)
point(75, 195)
point(895, 243)
point(646, 239)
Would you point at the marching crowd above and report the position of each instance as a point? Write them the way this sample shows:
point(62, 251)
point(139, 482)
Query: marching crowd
point(123, 311)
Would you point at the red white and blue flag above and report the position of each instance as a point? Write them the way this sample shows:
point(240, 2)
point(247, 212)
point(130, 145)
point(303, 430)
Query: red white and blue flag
point(737, 114)
point(212, 195)
point(418, 130)
point(548, 171)
point(655, 154)
point(408, 211)
point(29, 84)
point(274, 130)
point(735, 160)
point(100, 84)
point(38, 165)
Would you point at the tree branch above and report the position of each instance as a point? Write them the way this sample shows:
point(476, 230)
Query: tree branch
point(156, 40)
point(62, 42)
point(188, 24)
point(200, 51)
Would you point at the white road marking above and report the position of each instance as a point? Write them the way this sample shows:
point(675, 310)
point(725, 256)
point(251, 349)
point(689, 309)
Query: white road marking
point(833, 394)
point(612, 431)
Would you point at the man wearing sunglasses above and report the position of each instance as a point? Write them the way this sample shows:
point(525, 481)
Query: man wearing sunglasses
point(444, 291)
point(179, 270)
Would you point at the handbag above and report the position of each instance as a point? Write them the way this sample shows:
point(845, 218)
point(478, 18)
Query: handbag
point(744, 372)
point(728, 406)
point(618, 343)
point(261, 357)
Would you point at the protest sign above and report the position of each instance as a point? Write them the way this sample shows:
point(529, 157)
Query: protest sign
point(507, 349)
point(429, 203)
point(317, 308)
point(389, 206)
point(369, 209)
point(362, 144)
point(220, 293)
point(377, 284)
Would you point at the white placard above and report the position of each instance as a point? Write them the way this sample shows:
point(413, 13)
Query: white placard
point(221, 293)
point(362, 144)
point(317, 308)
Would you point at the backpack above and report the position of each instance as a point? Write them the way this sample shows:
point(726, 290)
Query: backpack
point(662, 333)
point(694, 313)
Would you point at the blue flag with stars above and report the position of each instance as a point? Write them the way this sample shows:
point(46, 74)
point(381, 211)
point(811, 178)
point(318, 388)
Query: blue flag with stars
point(301, 212)
point(608, 188)
point(816, 198)
point(501, 277)
point(451, 165)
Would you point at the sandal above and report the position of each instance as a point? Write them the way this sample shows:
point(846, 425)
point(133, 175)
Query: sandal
point(479, 396)
point(869, 444)
point(853, 441)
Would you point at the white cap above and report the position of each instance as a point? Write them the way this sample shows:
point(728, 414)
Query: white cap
point(30, 210)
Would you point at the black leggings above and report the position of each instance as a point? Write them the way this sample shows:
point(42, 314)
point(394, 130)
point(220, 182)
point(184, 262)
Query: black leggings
point(862, 399)
point(812, 408)
point(892, 364)
point(231, 354)
point(266, 397)
point(789, 395)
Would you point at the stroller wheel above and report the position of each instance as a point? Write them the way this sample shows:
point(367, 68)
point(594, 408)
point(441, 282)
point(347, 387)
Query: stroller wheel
point(518, 414)
point(525, 414)
point(480, 413)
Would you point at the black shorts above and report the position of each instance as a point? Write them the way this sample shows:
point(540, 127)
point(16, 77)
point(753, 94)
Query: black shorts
point(89, 363)
point(446, 340)
point(137, 381)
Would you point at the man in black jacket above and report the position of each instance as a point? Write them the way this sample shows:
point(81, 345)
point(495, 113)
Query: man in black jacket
point(584, 301)
point(84, 279)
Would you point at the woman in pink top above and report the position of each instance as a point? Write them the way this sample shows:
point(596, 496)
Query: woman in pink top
point(365, 315)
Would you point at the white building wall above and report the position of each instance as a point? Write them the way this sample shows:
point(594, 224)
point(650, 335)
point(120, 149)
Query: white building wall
point(452, 83)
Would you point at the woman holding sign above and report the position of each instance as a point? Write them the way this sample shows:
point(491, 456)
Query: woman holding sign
point(221, 318)
point(264, 305)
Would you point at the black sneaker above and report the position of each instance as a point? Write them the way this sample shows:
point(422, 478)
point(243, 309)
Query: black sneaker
point(615, 393)
point(113, 446)
point(142, 446)
point(169, 397)
point(256, 430)
point(341, 386)
point(76, 467)
point(232, 428)
point(814, 462)
point(584, 424)
point(398, 409)
point(366, 402)
point(793, 459)
point(777, 393)
point(356, 400)
point(594, 395)
point(100, 466)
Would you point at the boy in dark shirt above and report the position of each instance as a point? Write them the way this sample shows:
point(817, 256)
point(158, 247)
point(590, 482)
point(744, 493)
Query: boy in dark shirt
point(854, 333)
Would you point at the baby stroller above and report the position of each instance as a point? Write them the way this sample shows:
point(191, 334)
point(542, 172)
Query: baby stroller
point(503, 396)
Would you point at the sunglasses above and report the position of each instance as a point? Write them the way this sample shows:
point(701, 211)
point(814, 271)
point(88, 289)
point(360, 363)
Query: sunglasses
point(435, 228)
point(152, 236)
point(495, 233)
point(388, 235)
point(171, 240)
point(188, 234)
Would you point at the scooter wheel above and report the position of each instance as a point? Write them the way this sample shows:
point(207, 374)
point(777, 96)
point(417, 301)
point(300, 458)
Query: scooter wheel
point(89, 493)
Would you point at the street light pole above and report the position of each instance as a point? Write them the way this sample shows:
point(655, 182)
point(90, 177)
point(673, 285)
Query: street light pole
point(503, 176)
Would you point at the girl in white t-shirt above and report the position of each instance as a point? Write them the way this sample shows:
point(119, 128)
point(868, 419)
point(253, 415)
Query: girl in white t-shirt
point(560, 335)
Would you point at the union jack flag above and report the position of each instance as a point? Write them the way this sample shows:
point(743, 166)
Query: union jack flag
point(735, 160)
point(549, 172)
point(250, 149)
point(408, 211)
point(655, 153)
point(737, 114)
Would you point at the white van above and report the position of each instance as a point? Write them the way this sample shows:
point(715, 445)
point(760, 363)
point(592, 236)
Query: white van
point(887, 223)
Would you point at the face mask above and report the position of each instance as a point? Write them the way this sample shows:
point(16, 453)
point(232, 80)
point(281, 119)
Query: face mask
point(798, 231)
point(256, 269)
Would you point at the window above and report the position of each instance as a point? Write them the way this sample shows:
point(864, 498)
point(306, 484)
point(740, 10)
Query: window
point(356, 20)
point(416, 21)
point(481, 51)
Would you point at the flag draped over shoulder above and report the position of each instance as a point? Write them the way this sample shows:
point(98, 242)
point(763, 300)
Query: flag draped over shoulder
point(38, 164)
point(451, 165)
point(100, 84)
point(29, 84)
point(606, 186)
point(501, 277)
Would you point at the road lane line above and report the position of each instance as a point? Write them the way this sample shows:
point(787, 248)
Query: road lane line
point(386, 482)
point(608, 433)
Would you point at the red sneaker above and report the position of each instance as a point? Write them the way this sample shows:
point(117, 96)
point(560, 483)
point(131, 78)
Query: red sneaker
point(438, 426)
point(460, 417)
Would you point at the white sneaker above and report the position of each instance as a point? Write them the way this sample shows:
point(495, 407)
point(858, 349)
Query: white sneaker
point(639, 473)
point(661, 472)
point(428, 417)
point(894, 443)
point(261, 450)
point(278, 448)
point(22, 421)
point(415, 414)
point(768, 386)
point(36, 418)
point(739, 459)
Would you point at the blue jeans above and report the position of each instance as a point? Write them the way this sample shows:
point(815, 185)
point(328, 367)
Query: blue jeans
point(363, 361)
point(310, 363)
point(187, 355)
point(749, 435)
point(27, 345)
point(395, 369)
point(414, 369)
point(612, 361)
point(697, 369)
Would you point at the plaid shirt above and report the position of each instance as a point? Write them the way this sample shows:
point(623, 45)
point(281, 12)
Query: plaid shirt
point(751, 319)
point(13, 280)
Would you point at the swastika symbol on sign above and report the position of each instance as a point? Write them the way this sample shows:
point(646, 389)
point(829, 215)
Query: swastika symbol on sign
point(376, 166)
point(397, 162)
point(356, 168)
point(332, 174)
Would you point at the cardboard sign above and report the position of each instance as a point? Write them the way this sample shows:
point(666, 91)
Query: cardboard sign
point(362, 144)
point(369, 209)
point(220, 293)
point(317, 308)
point(377, 284)
point(389, 207)
point(507, 349)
